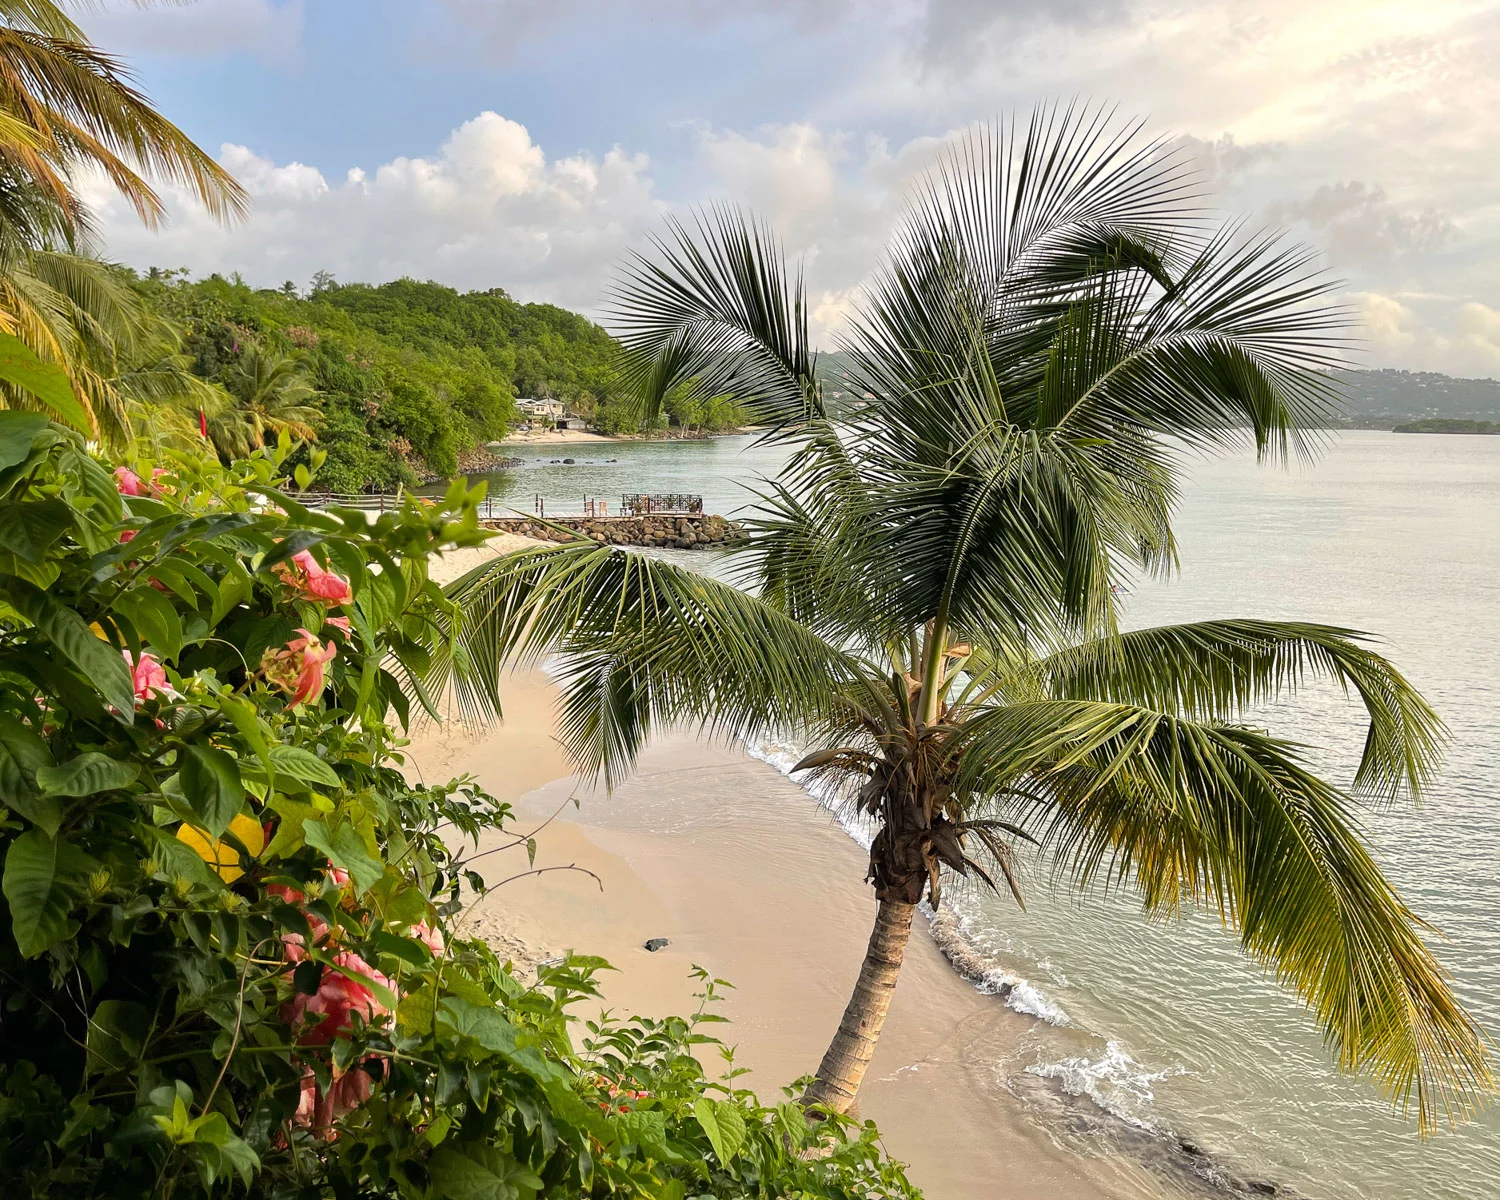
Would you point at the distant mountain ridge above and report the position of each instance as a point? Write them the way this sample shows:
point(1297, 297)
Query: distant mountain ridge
point(1379, 399)
point(1404, 396)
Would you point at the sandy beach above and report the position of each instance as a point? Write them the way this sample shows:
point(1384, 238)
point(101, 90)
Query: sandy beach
point(744, 875)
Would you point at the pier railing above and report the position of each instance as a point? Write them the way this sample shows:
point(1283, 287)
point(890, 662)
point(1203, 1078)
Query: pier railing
point(640, 504)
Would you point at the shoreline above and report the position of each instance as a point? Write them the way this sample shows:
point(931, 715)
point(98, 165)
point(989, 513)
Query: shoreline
point(746, 875)
point(565, 436)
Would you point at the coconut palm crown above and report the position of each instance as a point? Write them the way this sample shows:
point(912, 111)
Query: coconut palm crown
point(927, 594)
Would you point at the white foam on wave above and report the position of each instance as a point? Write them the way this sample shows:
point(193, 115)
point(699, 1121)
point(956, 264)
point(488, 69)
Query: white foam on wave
point(1114, 1081)
point(784, 756)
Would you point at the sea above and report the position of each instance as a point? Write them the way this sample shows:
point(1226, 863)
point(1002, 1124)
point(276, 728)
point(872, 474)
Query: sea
point(1161, 1029)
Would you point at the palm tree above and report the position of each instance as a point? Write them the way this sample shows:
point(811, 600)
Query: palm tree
point(67, 107)
point(270, 394)
point(928, 585)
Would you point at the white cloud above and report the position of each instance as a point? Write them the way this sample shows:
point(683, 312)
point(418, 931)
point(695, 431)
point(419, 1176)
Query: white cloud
point(271, 30)
point(1430, 332)
point(489, 210)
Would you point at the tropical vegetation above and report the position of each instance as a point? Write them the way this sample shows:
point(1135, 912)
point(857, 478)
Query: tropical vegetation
point(228, 941)
point(229, 952)
point(929, 596)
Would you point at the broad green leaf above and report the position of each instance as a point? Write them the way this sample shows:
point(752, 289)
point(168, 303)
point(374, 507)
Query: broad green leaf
point(154, 617)
point(178, 858)
point(648, 1130)
point(86, 775)
point(49, 383)
point(29, 529)
point(294, 814)
point(408, 950)
point(480, 1172)
point(44, 878)
point(724, 1124)
point(303, 766)
point(210, 783)
point(345, 849)
point(490, 1028)
point(18, 434)
point(117, 1035)
point(99, 662)
point(22, 754)
point(251, 728)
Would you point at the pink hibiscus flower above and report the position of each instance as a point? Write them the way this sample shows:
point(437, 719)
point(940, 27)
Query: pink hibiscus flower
point(129, 483)
point(330, 1011)
point(147, 676)
point(348, 1090)
point(299, 669)
point(308, 577)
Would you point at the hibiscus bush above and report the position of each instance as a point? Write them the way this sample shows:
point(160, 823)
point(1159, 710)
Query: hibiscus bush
point(227, 960)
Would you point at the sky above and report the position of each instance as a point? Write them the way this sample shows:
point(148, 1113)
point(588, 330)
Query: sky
point(530, 144)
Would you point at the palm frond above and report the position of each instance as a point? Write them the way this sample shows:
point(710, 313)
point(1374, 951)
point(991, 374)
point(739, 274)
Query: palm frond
point(1216, 669)
point(713, 302)
point(640, 645)
point(1227, 817)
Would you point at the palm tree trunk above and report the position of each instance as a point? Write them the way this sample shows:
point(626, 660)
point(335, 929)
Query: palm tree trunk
point(849, 1054)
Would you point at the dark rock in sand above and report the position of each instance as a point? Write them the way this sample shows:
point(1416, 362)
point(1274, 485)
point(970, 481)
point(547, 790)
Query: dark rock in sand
point(1261, 1188)
point(568, 462)
point(655, 944)
point(1190, 1148)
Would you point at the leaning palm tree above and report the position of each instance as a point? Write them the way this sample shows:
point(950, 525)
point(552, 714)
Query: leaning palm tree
point(271, 394)
point(928, 596)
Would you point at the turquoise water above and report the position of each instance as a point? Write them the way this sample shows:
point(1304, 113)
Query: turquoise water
point(717, 469)
point(1398, 535)
point(1166, 1025)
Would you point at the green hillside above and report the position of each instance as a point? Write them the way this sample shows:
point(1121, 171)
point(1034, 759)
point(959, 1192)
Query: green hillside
point(410, 379)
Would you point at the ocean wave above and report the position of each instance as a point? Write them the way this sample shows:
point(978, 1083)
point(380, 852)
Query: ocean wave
point(951, 932)
point(1114, 1081)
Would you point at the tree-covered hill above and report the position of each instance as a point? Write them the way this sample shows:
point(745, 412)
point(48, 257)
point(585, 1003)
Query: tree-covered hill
point(408, 378)
point(1383, 399)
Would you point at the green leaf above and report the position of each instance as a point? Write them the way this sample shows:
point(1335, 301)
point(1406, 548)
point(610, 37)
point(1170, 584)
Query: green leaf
point(648, 1130)
point(86, 775)
point(294, 814)
point(179, 859)
point(22, 754)
point(210, 783)
point(100, 663)
point(20, 367)
point(18, 434)
point(44, 878)
point(251, 728)
point(304, 766)
point(344, 849)
point(408, 950)
point(480, 1172)
point(724, 1124)
point(29, 529)
point(117, 1035)
point(154, 617)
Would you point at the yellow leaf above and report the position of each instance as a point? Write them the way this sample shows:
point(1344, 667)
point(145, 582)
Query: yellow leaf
point(222, 857)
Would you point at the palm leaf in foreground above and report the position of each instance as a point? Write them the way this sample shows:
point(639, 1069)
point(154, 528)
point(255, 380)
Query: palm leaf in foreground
point(1229, 818)
point(640, 645)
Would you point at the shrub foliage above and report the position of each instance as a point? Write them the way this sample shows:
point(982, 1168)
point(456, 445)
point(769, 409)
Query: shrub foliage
point(227, 955)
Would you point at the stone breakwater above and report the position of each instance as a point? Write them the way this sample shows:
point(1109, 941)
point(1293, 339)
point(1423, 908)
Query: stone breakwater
point(668, 530)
